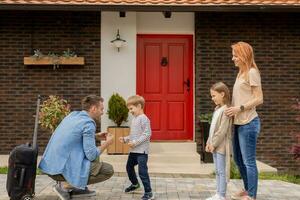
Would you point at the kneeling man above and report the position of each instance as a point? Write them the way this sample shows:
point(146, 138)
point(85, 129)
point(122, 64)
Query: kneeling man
point(72, 157)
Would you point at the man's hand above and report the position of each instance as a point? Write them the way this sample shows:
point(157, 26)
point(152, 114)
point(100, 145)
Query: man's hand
point(109, 138)
point(101, 135)
point(121, 139)
point(211, 148)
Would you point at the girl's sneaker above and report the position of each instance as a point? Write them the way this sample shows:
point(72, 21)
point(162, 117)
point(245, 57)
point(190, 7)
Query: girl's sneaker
point(215, 197)
point(239, 195)
point(247, 198)
point(148, 195)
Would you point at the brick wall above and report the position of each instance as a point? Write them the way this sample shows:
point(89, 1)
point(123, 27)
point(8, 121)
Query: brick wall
point(20, 33)
point(276, 41)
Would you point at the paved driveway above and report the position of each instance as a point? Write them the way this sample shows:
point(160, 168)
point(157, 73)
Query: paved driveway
point(167, 188)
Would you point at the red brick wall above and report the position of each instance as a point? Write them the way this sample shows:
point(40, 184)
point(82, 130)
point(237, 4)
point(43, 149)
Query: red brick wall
point(20, 33)
point(276, 41)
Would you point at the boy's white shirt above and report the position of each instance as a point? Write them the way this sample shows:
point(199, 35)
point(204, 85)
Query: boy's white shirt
point(140, 133)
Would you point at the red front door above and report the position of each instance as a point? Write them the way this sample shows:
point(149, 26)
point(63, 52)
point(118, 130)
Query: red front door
point(165, 80)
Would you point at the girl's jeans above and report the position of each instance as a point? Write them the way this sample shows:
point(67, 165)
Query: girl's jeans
point(244, 152)
point(220, 164)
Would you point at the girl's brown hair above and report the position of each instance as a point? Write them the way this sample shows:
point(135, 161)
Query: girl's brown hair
point(244, 52)
point(221, 87)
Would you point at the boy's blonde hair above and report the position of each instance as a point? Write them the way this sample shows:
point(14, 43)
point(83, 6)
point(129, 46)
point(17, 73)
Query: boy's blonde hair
point(221, 87)
point(136, 100)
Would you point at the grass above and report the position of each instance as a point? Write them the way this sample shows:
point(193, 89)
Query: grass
point(234, 174)
point(3, 170)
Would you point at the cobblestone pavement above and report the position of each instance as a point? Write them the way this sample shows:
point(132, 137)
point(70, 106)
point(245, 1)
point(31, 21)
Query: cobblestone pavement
point(166, 188)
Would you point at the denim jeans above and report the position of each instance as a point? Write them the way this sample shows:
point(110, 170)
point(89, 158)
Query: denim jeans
point(244, 152)
point(140, 160)
point(220, 165)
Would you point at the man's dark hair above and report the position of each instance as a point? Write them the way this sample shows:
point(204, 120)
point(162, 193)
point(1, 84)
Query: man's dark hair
point(89, 101)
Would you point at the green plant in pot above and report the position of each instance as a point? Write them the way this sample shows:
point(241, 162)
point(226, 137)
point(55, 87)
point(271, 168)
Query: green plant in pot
point(52, 112)
point(205, 121)
point(118, 113)
point(117, 109)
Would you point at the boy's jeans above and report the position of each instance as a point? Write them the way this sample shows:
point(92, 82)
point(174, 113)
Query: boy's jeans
point(140, 160)
point(220, 165)
point(244, 150)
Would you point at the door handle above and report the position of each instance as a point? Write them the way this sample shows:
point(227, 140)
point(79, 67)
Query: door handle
point(164, 61)
point(188, 84)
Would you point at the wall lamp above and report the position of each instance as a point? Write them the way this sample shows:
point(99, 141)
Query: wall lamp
point(118, 42)
point(167, 14)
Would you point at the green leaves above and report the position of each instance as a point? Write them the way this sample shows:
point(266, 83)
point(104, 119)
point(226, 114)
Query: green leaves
point(207, 117)
point(117, 109)
point(52, 112)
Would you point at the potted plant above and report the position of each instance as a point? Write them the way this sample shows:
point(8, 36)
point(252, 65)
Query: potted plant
point(205, 121)
point(52, 112)
point(118, 113)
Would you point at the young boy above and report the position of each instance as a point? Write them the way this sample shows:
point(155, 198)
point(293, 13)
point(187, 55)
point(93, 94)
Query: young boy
point(139, 141)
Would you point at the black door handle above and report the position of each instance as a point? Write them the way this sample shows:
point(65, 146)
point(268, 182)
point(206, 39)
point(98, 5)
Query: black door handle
point(188, 84)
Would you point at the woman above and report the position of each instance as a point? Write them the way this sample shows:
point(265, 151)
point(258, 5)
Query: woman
point(247, 94)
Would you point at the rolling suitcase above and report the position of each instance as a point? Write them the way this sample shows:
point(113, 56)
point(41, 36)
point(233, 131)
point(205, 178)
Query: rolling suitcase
point(22, 164)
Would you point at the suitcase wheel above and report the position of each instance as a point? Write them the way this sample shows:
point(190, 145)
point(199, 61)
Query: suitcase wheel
point(27, 197)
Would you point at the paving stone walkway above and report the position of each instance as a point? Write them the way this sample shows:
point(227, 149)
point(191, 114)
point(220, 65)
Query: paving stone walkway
point(166, 188)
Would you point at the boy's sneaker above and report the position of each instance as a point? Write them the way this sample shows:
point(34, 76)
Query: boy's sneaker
point(61, 193)
point(148, 195)
point(78, 193)
point(132, 188)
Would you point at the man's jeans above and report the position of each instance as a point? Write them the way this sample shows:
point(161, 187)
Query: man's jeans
point(140, 160)
point(99, 172)
point(220, 165)
point(244, 151)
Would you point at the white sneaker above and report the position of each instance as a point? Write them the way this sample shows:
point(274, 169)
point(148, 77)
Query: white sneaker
point(221, 198)
point(215, 197)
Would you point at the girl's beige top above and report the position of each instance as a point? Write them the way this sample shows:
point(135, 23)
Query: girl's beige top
point(242, 94)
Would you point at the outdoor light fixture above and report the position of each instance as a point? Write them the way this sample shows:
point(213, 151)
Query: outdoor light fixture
point(167, 14)
point(118, 42)
point(122, 14)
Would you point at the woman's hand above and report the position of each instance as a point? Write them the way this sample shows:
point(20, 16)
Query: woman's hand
point(231, 111)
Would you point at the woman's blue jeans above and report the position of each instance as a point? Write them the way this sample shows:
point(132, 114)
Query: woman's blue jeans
point(244, 152)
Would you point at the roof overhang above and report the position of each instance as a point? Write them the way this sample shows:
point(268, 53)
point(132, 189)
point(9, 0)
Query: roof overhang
point(153, 8)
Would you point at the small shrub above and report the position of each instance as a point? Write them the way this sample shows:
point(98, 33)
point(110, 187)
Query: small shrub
point(207, 117)
point(117, 109)
point(52, 112)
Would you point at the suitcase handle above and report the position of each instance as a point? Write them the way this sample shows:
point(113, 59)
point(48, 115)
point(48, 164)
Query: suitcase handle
point(22, 177)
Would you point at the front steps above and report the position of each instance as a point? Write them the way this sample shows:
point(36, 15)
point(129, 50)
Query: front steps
point(166, 158)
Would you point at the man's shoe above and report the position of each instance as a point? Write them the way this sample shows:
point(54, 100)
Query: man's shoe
point(78, 193)
point(132, 188)
point(148, 195)
point(62, 194)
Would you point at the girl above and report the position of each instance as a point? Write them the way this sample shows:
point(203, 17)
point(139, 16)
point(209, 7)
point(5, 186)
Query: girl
point(219, 140)
point(247, 94)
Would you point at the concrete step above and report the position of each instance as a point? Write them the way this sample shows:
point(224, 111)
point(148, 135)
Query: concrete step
point(169, 147)
point(167, 158)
